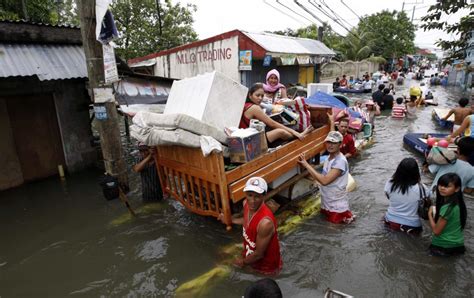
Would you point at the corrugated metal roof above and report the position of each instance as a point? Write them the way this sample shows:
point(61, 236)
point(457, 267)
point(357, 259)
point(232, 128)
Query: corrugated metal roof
point(290, 45)
point(48, 62)
point(40, 24)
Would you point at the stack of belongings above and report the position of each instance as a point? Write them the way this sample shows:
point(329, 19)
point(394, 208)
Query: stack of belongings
point(154, 129)
point(197, 112)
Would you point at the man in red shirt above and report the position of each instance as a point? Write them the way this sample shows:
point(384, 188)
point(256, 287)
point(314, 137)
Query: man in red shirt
point(343, 82)
point(260, 238)
point(348, 145)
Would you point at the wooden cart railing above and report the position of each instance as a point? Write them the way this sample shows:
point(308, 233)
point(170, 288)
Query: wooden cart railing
point(203, 186)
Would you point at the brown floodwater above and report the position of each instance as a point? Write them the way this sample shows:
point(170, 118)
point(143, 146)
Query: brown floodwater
point(62, 238)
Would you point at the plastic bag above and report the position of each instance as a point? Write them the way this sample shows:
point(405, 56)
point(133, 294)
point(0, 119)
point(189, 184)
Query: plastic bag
point(209, 144)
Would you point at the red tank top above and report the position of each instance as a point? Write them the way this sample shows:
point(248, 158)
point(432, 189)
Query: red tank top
point(244, 121)
point(271, 262)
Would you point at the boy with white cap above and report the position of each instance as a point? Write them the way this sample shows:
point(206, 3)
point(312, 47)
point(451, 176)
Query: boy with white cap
point(261, 246)
point(333, 181)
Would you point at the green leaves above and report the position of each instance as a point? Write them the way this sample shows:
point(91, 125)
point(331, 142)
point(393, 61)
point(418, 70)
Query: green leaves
point(462, 29)
point(40, 11)
point(139, 26)
point(393, 34)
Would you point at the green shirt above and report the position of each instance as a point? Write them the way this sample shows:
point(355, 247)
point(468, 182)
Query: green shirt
point(452, 235)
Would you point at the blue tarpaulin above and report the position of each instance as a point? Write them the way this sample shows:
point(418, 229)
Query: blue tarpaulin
point(324, 99)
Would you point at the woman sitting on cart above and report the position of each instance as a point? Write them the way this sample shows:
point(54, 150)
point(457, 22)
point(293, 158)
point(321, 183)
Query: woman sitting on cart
point(252, 110)
point(273, 88)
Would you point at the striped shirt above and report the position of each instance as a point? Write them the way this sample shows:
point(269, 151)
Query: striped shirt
point(399, 111)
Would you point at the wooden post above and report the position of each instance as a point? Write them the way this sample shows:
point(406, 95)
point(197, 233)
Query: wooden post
point(109, 129)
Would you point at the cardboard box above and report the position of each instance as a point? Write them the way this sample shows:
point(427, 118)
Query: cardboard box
point(243, 150)
point(212, 97)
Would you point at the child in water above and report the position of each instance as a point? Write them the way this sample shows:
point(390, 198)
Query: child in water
point(399, 109)
point(448, 217)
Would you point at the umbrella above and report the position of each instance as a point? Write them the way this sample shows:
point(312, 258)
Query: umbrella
point(324, 99)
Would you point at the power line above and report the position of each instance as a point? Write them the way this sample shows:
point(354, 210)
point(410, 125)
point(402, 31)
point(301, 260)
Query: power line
point(285, 13)
point(320, 8)
point(350, 9)
point(308, 11)
point(278, 1)
point(334, 13)
point(334, 17)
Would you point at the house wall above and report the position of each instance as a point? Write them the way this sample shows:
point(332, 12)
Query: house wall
point(288, 73)
point(10, 171)
point(71, 102)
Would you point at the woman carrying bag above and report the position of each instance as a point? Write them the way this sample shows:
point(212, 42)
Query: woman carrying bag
point(404, 190)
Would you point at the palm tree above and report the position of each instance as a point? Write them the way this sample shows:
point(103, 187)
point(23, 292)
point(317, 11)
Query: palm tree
point(357, 45)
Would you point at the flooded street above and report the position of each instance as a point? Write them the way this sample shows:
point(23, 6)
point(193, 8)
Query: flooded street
point(62, 238)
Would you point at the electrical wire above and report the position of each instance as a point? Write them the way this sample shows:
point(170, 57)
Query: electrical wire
point(327, 14)
point(334, 18)
point(335, 14)
point(308, 11)
point(278, 1)
point(350, 9)
point(281, 11)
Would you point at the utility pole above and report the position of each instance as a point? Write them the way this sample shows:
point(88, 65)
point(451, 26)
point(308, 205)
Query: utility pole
point(317, 68)
point(109, 129)
point(413, 13)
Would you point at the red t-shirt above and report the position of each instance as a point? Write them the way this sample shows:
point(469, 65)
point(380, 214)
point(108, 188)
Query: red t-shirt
point(271, 262)
point(348, 145)
point(343, 82)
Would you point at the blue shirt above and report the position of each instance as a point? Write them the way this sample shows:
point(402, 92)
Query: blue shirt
point(463, 169)
point(403, 208)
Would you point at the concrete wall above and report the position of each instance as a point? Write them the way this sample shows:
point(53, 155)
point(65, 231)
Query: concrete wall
point(331, 70)
point(10, 169)
point(71, 102)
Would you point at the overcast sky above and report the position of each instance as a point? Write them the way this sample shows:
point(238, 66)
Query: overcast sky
point(217, 16)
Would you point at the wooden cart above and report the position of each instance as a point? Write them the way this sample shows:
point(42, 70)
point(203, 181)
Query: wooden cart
point(203, 186)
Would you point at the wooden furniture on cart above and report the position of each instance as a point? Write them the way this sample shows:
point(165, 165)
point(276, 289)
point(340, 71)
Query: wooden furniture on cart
point(203, 186)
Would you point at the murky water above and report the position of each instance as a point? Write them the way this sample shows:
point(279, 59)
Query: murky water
point(63, 239)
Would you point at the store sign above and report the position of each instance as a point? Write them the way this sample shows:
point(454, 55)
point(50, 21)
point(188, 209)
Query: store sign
point(100, 112)
point(221, 55)
point(245, 60)
point(131, 91)
point(110, 66)
point(267, 60)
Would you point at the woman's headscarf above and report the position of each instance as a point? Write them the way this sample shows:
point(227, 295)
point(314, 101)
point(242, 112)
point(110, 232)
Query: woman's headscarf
point(269, 88)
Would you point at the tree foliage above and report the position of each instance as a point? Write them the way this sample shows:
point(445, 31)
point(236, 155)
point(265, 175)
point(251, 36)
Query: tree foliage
point(384, 34)
point(357, 45)
point(455, 48)
point(138, 24)
point(54, 12)
point(392, 33)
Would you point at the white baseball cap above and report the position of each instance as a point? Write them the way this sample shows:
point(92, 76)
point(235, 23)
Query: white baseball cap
point(256, 184)
point(334, 137)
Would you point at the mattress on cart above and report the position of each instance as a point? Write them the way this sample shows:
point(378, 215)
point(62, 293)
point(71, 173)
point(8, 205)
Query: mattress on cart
point(170, 122)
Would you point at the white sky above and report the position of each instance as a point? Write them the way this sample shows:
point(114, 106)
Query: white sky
point(217, 16)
